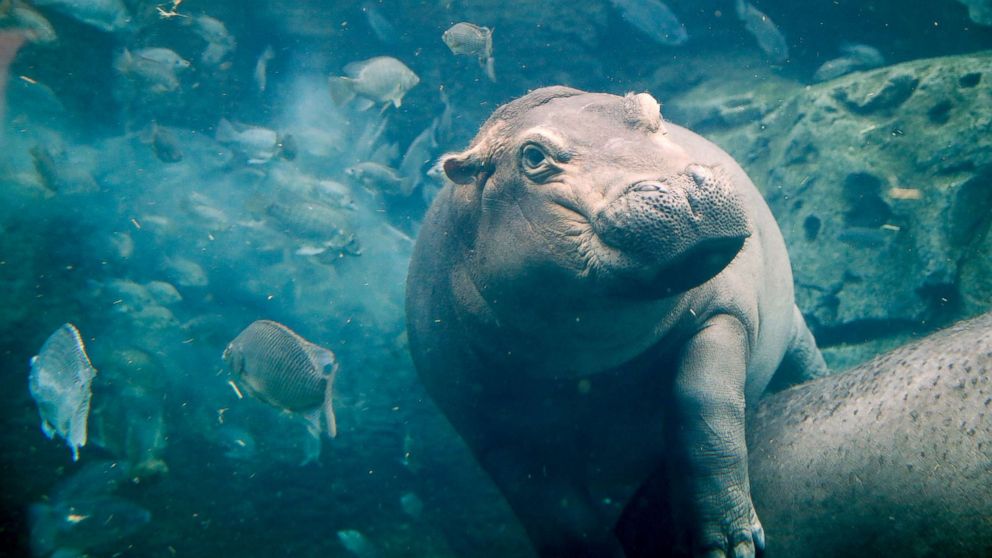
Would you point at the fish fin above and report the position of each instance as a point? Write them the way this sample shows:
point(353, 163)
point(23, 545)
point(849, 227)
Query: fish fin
point(398, 101)
point(741, 7)
point(312, 419)
point(309, 250)
point(407, 185)
point(147, 134)
point(48, 429)
point(123, 61)
point(332, 421)
point(225, 131)
point(491, 69)
point(311, 450)
point(325, 359)
point(342, 89)
point(364, 104)
point(76, 437)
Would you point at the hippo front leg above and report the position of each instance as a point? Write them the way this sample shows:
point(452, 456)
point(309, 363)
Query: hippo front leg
point(709, 418)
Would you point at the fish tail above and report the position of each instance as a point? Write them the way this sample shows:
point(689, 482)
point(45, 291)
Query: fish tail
point(225, 131)
point(342, 89)
point(491, 69)
point(741, 7)
point(123, 61)
point(326, 358)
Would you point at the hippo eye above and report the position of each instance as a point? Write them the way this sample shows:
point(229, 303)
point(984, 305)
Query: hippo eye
point(536, 162)
point(534, 156)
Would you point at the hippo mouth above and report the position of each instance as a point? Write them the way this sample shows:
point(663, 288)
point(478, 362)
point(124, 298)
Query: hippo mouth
point(662, 238)
point(698, 265)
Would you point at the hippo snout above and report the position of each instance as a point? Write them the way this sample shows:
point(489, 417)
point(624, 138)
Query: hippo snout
point(690, 225)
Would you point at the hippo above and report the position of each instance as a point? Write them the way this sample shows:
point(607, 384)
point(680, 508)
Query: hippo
point(596, 292)
point(890, 458)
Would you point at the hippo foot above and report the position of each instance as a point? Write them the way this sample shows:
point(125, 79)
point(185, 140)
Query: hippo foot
point(738, 535)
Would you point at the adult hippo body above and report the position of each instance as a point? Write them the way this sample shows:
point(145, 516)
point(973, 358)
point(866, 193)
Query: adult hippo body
point(597, 293)
point(891, 458)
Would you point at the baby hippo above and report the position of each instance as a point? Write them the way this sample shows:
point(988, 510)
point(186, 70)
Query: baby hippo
point(597, 295)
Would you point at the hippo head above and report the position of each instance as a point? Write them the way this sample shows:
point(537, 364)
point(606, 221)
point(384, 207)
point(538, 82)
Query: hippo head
point(577, 188)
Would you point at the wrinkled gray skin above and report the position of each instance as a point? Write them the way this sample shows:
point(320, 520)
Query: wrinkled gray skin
point(893, 458)
point(595, 293)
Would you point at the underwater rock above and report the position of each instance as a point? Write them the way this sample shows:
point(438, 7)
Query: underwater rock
point(869, 96)
point(892, 169)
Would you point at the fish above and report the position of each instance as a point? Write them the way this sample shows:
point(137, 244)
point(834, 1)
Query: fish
point(306, 219)
point(164, 143)
point(655, 19)
point(274, 364)
point(261, 67)
point(60, 383)
point(220, 43)
point(165, 56)
point(258, 144)
point(857, 57)
point(867, 56)
point(105, 15)
point(357, 544)
point(382, 79)
point(34, 26)
point(377, 177)
point(185, 272)
point(468, 39)
point(411, 504)
point(157, 76)
point(83, 524)
point(381, 27)
point(92, 480)
point(58, 174)
point(770, 39)
point(834, 68)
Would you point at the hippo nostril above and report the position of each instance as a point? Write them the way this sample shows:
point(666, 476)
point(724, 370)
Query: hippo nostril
point(649, 186)
point(700, 174)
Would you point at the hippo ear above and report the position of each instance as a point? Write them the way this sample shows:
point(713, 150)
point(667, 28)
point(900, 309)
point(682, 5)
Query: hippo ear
point(462, 168)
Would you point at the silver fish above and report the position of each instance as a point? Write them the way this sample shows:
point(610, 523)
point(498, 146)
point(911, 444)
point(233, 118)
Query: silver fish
point(381, 27)
point(106, 15)
point(164, 143)
point(306, 219)
point(60, 379)
point(276, 365)
point(856, 57)
point(258, 144)
point(769, 38)
point(59, 174)
point(154, 75)
point(654, 19)
point(468, 39)
point(382, 79)
point(165, 56)
point(83, 524)
point(357, 544)
point(381, 178)
point(220, 43)
point(866, 55)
